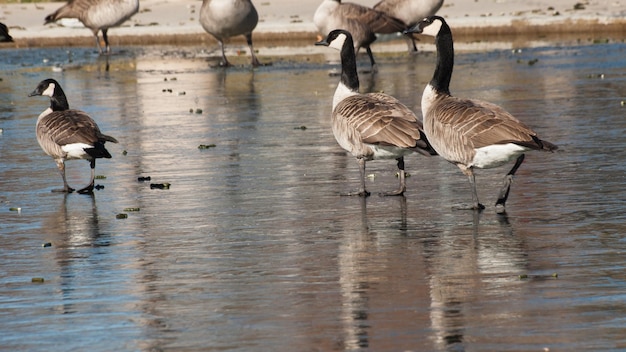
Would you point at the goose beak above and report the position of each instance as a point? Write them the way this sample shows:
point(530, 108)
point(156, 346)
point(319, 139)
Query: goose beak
point(321, 41)
point(33, 93)
point(418, 28)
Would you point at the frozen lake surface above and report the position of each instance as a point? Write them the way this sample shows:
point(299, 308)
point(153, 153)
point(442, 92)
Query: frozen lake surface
point(253, 249)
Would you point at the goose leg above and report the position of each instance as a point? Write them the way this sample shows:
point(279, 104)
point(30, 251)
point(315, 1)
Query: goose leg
point(98, 43)
point(411, 43)
point(371, 56)
point(361, 192)
point(255, 61)
point(402, 178)
point(66, 188)
point(475, 203)
point(107, 48)
point(224, 62)
point(472, 179)
point(506, 186)
point(89, 188)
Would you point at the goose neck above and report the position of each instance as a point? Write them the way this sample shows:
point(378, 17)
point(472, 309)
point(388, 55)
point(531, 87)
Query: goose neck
point(349, 75)
point(58, 101)
point(445, 60)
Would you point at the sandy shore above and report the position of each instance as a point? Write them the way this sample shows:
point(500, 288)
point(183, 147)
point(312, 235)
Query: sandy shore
point(176, 21)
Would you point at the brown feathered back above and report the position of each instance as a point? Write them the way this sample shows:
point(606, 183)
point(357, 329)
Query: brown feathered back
point(60, 128)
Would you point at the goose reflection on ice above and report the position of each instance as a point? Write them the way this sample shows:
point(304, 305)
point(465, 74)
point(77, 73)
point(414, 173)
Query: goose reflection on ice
point(460, 261)
point(75, 223)
point(464, 262)
point(361, 273)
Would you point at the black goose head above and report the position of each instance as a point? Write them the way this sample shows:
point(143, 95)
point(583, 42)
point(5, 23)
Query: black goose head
point(437, 27)
point(336, 39)
point(51, 88)
point(341, 40)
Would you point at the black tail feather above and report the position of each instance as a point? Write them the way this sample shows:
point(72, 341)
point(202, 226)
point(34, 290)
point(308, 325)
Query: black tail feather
point(98, 151)
point(423, 146)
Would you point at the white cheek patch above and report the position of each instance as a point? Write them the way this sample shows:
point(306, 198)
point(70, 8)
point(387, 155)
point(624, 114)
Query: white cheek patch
point(496, 155)
point(50, 90)
point(432, 29)
point(76, 150)
point(337, 43)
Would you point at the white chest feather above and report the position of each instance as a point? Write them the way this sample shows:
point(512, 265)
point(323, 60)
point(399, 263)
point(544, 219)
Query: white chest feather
point(222, 8)
point(496, 155)
point(428, 99)
point(341, 93)
point(44, 114)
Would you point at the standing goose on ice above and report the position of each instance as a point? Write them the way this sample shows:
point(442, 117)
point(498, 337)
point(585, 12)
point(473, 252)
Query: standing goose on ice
point(371, 126)
point(67, 134)
point(470, 133)
point(362, 22)
point(228, 18)
point(410, 12)
point(97, 15)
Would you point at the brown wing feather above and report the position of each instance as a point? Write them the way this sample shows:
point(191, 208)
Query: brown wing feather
point(363, 34)
point(73, 9)
point(72, 126)
point(407, 113)
point(377, 21)
point(481, 124)
point(380, 121)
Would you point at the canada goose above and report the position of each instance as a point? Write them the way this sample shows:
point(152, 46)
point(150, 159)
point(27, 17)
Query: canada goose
point(410, 12)
point(97, 15)
point(4, 33)
point(374, 125)
point(470, 133)
point(228, 18)
point(67, 134)
point(362, 22)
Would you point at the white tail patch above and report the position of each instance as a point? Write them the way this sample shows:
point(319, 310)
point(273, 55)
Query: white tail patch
point(388, 152)
point(496, 155)
point(76, 151)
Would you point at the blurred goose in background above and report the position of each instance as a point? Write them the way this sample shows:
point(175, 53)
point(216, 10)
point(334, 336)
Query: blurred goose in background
point(67, 134)
point(470, 133)
point(97, 15)
point(362, 22)
point(410, 12)
point(374, 125)
point(228, 18)
point(4, 33)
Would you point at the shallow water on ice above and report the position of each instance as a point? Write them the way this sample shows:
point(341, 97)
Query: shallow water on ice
point(252, 248)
